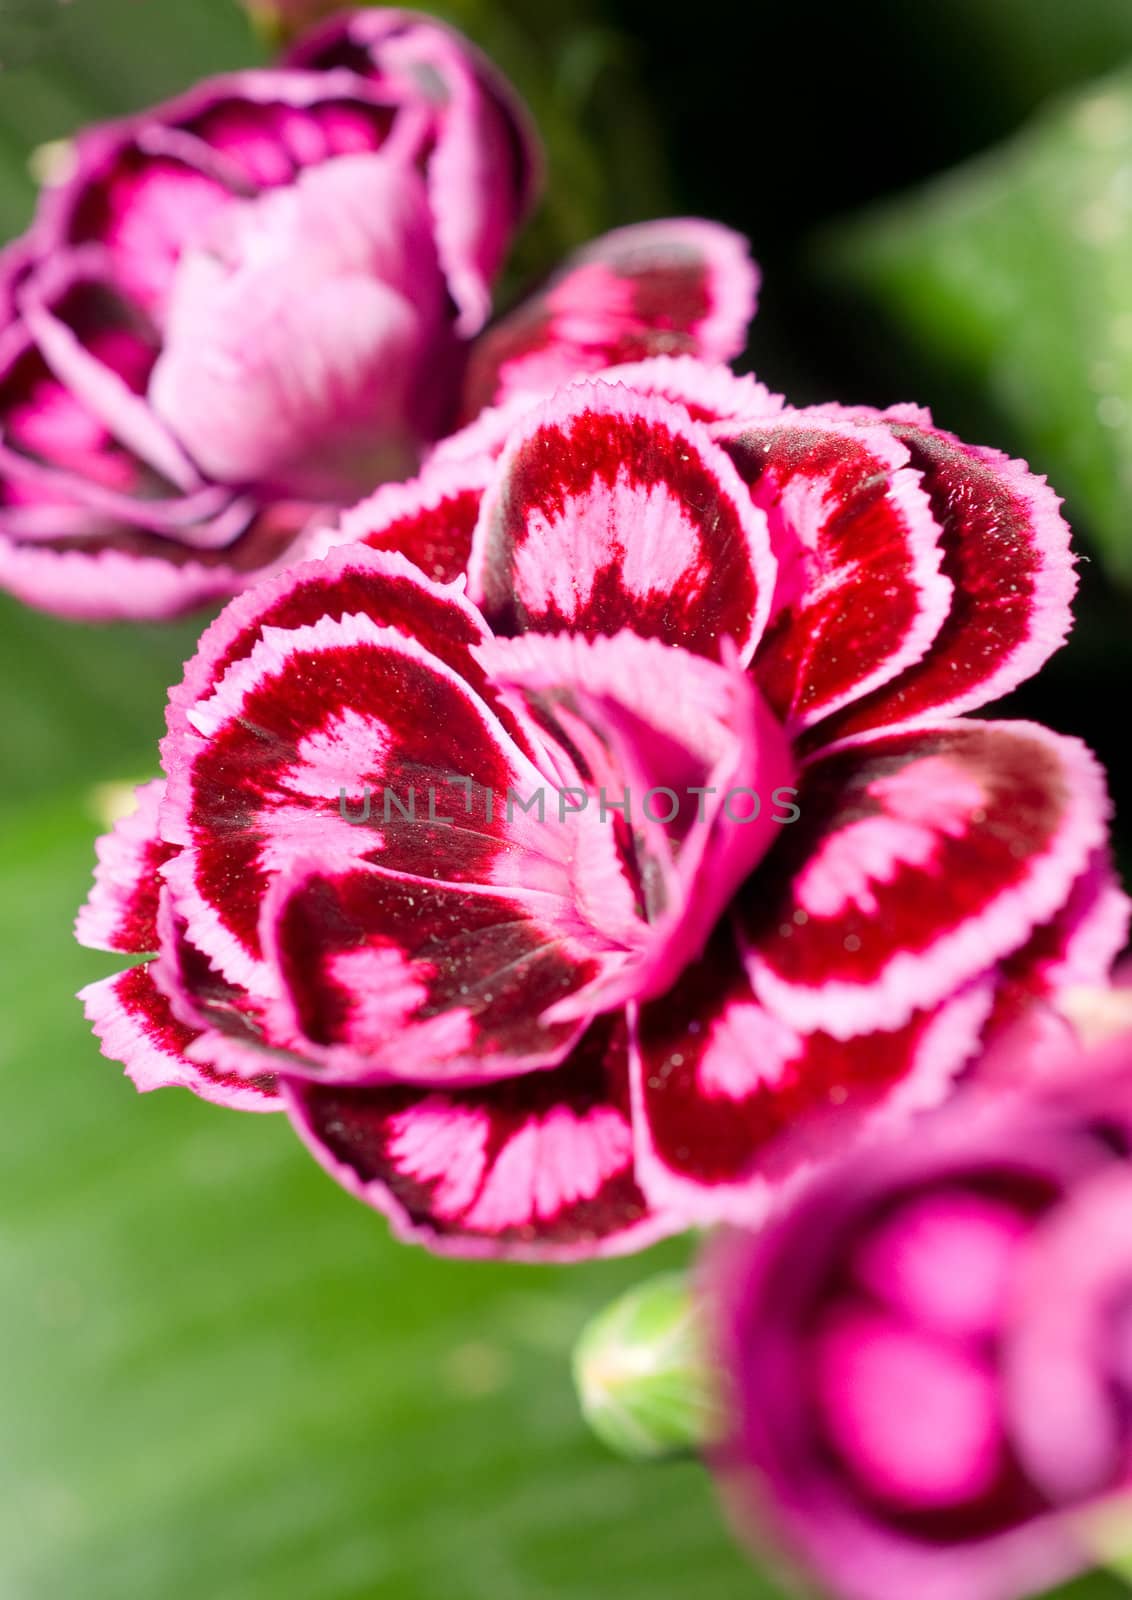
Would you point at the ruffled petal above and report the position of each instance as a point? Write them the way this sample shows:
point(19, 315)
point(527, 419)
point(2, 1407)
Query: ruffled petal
point(539, 1168)
point(1006, 551)
point(676, 287)
point(136, 1026)
point(732, 1107)
point(920, 860)
point(612, 511)
point(346, 741)
point(860, 592)
point(121, 910)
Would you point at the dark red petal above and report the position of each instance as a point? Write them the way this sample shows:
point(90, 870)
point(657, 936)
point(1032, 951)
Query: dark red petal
point(539, 1167)
point(920, 860)
point(430, 520)
point(860, 595)
point(612, 510)
point(121, 910)
point(397, 977)
point(731, 1106)
point(136, 1026)
point(1006, 551)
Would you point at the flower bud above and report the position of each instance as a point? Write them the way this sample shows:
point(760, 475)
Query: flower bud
point(644, 1382)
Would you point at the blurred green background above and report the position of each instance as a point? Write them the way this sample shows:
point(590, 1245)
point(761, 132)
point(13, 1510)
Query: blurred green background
point(220, 1380)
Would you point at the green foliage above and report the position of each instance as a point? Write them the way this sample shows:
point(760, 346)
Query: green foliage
point(222, 1381)
point(1012, 280)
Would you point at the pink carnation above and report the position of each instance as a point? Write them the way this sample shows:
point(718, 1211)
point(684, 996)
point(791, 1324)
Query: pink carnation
point(244, 309)
point(929, 1355)
point(778, 880)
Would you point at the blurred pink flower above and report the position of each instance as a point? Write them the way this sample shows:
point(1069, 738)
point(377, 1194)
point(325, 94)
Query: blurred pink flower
point(243, 308)
point(929, 1355)
point(238, 312)
point(563, 1030)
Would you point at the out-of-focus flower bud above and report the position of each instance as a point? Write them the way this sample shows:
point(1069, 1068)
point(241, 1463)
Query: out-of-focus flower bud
point(645, 1385)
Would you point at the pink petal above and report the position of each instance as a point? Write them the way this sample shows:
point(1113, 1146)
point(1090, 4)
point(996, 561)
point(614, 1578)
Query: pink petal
point(121, 910)
point(677, 287)
point(300, 330)
point(614, 511)
point(732, 1108)
point(538, 1168)
point(430, 520)
point(944, 1260)
point(1067, 1379)
point(100, 386)
point(136, 1026)
point(921, 860)
point(98, 583)
point(484, 164)
point(150, 186)
point(1006, 551)
point(917, 1419)
point(687, 783)
point(860, 594)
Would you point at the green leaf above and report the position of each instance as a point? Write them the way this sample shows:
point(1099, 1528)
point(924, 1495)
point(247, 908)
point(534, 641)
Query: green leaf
point(1011, 281)
point(222, 1379)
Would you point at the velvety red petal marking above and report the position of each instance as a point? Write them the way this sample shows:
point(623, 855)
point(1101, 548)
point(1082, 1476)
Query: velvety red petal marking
point(1007, 554)
point(539, 1167)
point(430, 521)
point(920, 860)
point(198, 994)
point(675, 287)
point(121, 910)
point(860, 594)
point(347, 582)
point(401, 978)
point(136, 1026)
point(731, 1105)
point(279, 762)
point(612, 511)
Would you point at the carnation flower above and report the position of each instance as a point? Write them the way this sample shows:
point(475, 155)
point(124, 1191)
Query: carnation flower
point(601, 813)
point(239, 311)
point(927, 1356)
